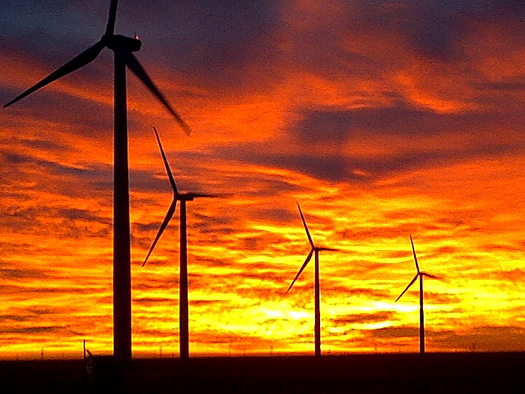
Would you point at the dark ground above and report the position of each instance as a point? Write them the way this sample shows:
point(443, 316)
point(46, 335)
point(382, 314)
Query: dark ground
point(392, 373)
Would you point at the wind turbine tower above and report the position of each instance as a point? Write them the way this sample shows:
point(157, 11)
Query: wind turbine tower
point(317, 292)
point(420, 274)
point(184, 342)
point(123, 48)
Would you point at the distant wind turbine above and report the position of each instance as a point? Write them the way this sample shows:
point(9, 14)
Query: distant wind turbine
point(316, 250)
point(183, 281)
point(122, 48)
point(419, 274)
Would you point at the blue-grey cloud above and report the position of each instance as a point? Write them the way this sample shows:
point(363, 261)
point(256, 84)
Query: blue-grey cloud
point(322, 141)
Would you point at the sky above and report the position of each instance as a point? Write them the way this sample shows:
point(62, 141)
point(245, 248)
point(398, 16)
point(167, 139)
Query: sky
point(381, 118)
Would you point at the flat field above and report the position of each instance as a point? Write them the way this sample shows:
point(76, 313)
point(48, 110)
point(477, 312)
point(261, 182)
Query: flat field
point(388, 373)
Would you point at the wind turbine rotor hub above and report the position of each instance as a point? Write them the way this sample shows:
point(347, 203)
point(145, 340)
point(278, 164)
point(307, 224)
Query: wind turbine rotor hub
point(132, 44)
point(184, 196)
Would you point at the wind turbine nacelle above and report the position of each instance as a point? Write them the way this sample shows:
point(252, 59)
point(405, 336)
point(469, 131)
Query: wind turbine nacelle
point(133, 44)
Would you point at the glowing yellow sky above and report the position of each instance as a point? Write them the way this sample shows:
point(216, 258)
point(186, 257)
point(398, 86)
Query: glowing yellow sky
point(381, 119)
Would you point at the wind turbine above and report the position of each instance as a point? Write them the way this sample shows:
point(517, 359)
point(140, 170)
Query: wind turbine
point(419, 274)
point(122, 48)
point(184, 343)
point(313, 250)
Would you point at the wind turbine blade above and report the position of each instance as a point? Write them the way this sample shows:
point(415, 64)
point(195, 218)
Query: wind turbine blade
point(134, 65)
point(199, 195)
point(308, 258)
point(306, 227)
point(166, 164)
point(110, 29)
point(163, 226)
point(410, 284)
point(432, 276)
point(80, 61)
point(329, 249)
point(414, 252)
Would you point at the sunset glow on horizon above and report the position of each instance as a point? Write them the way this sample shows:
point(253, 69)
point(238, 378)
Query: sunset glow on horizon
point(382, 119)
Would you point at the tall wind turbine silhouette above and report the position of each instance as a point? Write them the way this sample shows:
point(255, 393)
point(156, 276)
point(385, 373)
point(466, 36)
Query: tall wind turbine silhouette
point(184, 342)
point(420, 274)
point(313, 250)
point(122, 48)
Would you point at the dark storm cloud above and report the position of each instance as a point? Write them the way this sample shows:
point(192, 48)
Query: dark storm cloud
point(395, 332)
point(333, 168)
point(40, 144)
point(363, 318)
point(212, 40)
point(435, 30)
point(62, 222)
point(14, 318)
point(428, 29)
point(155, 300)
point(158, 282)
point(39, 24)
point(324, 126)
point(48, 311)
point(401, 119)
point(333, 130)
point(20, 274)
point(223, 42)
point(275, 280)
point(48, 104)
point(275, 215)
point(490, 338)
point(42, 290)
point(209, 302)
point(516, 86)
point(149, 230)
point(33, 330)
point(13, 159)
point(82, 215)
point(146, 181)
point(382, 36)
point(230, 338)
point(94, 177)
point(212, 224)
